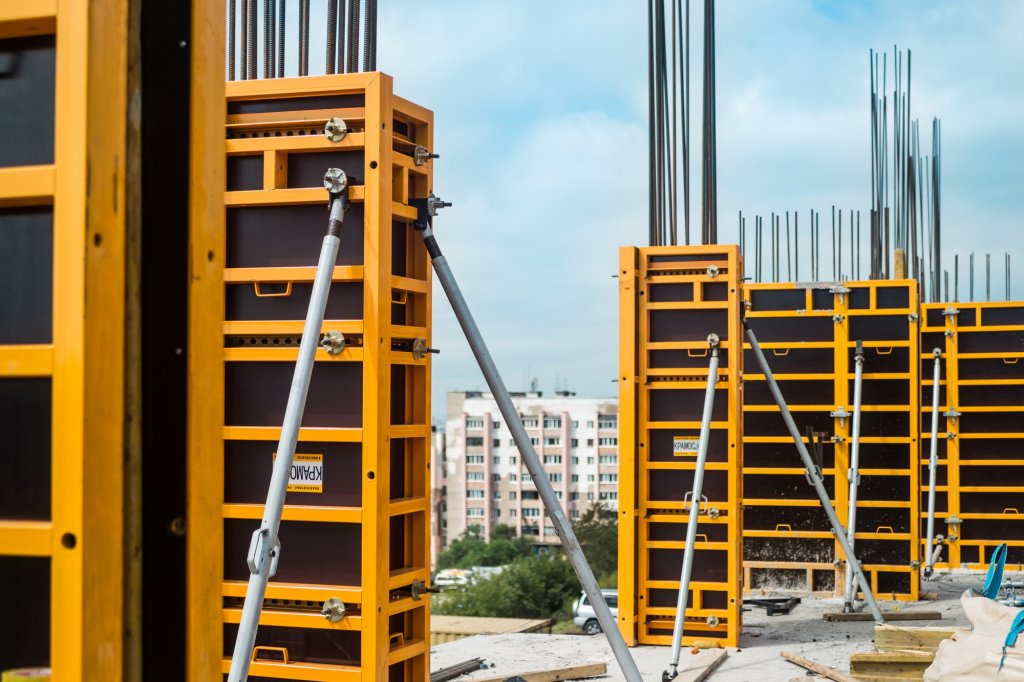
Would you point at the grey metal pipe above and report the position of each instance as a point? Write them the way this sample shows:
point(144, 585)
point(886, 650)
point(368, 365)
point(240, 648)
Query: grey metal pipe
point(515, 425)
point(696, 495)
point(265, 548)
point(933, 465)
point(814, 477)
point(854, 472)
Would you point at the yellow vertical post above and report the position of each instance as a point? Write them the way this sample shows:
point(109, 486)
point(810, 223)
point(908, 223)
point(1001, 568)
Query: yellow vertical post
point(205, 398)
point(952, 372)
point(627, 575)
point(842, 401)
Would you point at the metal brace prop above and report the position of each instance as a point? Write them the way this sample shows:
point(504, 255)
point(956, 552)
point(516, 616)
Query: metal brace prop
point(853, 474)
point(427, 209)
point(814, 476)
point(695, 497)
point(933, 553)
point(265, 548)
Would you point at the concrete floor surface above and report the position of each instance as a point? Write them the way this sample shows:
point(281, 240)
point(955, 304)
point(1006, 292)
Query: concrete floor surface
point(803, 632)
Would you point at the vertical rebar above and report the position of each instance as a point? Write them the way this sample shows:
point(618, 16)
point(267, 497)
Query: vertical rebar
point(796, 245)
point(988, 276)
point(789, 257)
point(370, 37)
point(1007, 277)
point(956, 278)
point(254, 48)
point(303, 37)
point(231, 38)
point(352, 41)
point(268, 50)
point(971, 280)
point(243, 40)
point(271, 30)
point(332, 34)
point(280, 37)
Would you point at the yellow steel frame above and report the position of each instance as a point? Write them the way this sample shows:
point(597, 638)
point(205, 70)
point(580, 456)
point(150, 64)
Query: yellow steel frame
point(392, 179)
point(86, 186)
point(952, 327)
point(640, 270)
point(842, 344)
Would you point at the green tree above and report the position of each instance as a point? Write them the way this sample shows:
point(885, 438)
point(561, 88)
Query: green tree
point(598, 532)
point(531, 587)
point(470, 550)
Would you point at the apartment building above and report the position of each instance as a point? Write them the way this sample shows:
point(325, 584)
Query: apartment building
point(486, 481)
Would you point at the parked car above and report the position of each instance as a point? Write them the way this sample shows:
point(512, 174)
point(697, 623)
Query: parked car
point(584, 615)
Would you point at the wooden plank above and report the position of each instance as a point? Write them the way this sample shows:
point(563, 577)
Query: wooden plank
point(834, 675)
point(575, 672)
point(700, 669)
point(893, 638)
point(895, 665)
point(888, 615)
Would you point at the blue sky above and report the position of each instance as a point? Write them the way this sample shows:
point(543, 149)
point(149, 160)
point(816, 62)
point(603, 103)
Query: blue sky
point(541, 117)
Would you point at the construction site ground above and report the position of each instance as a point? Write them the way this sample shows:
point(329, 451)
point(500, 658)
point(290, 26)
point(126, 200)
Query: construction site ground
point(803, 631)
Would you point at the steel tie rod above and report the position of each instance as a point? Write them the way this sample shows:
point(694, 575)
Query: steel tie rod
point(265, 548)
point(854, 472)
point(427, 210)
point(691, 524)
point(814, 476)
point(933, 464)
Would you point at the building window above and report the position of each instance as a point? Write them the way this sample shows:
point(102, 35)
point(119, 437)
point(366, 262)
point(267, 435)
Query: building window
point(475, 512)
point(574, 442)
point(575, 514)
point(496, 512)
point(590, 478)
point(512, 512)
point(574, 496)
point(531, 495)
point(553, 422)
point(496, 460)
point(534, 441)
point(558, 494)
point(497, 495)
point(474, 423)
point(475, 442)
point(608, 459)
point(552, 441)
point(511, 494)
point(496, 478)
point(531, 530)
point(531, 512)
point(590, 424)
point(574, 478)
point(590, 460)
point(512, 477)
point(473, 494)
point(609, 478)
point(590, 442)
point(575, 459)
point(474, 459)
point(607, 422)
point(475, 529)
point(511, 459)
point(474, 475)
point(590, 496)
point(609, 496)
point(495, 425)
point(575, 424)
point(496, 443)
point(549, 530)
point(555, 478)
point(530, 422)
point(526, 477)
point(552, 459)
point(607, 441)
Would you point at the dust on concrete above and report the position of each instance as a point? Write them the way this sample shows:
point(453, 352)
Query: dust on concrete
point(803, 632)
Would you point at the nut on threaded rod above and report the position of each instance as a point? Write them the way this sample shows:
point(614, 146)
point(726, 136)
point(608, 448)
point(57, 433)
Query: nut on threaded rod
point(936, 353)
point(335, 181)
point(335, 129)
point(713, 340)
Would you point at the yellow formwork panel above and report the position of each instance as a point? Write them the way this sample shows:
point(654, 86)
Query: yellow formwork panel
point(809, 333)
point(62, 349)
point(360, 531)
point(671, 299)
point(981, 456)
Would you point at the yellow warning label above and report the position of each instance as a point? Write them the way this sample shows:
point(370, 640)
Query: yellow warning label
point(685, 446)
point(307, 474)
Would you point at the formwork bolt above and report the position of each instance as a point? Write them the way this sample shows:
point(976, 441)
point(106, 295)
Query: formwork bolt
point(335, 129)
